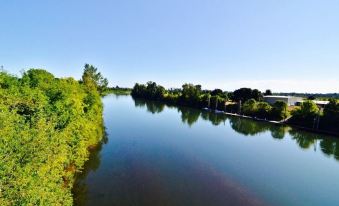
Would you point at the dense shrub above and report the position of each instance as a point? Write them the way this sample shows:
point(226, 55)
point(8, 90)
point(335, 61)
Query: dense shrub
point(277, 111)
point(305, 115)
point(330, 121)
point(46, 127)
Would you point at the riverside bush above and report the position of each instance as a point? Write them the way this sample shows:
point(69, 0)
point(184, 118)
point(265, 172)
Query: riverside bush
point(47, 125)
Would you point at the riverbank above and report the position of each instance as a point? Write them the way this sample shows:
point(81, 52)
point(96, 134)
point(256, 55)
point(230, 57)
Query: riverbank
point(246, 101)
point(47, 126)
point(277, 123)
point(282, 122)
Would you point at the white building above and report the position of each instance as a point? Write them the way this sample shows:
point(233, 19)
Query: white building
point(289, 100)
point(321, 103)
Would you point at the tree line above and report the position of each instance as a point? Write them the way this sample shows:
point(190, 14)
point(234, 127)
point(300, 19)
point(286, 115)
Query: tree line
point(311, 116)
point(47, 126)
point(217, 99)
point(244, 101)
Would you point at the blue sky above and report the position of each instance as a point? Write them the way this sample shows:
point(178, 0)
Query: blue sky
point(284, 45)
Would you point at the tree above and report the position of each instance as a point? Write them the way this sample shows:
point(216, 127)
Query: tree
point(244, 94)
point(47, 125)
point(256, 94)
point(37, 78)
point(309, 108)
point(279, 110)
point(249, 107)
point(306, 114)
point(190, 94)
point(268, 92)
point(263, 110)
point(331, 116)
point(149, 91)
point(218, 92)
point(216, 102)
point(94, 79)
point(311, 97)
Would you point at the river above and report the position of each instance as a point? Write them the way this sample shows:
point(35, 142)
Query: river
point(157, 155)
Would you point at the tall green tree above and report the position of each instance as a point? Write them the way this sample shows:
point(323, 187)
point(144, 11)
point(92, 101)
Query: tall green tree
point(268, 92)
point(330, 121)
point(263, 110)
point(94, 79)
point(280, 110)
point(306, 114)
point(249, 107)
point(244, 94)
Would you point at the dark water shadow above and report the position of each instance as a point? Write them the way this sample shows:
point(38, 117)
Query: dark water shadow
point(80, 187)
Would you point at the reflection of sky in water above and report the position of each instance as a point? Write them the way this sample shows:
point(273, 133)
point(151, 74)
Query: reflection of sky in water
point(157, 155)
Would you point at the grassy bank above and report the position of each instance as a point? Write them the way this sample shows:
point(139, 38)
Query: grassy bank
point(47, 125)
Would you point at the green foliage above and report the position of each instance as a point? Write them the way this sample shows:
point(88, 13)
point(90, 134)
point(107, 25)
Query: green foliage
point(306, 114)
point(94, 79)
point(330, 120)
point(307, 109)
point(46, 126)
point(249, 107)
point(220, 93)
point(117, 90)
point(244, 94)
point(190, 95)
point(268, 92)
point(279, 110)
point(149, 91)
point(263, 110)
point(252, 105)
point(217, 102)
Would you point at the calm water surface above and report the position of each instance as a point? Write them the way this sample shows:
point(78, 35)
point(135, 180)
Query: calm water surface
point(157, 155)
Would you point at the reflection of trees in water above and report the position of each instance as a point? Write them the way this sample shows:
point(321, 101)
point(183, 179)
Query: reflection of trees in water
point(247, 127)
point(214, 118)
point(304, 139)
point(152, 106)
point(188, 115)
point(330, 147)
point(155, 107)
point(278, 132)
point(252, 128)
point(80, 187)
point(139, 102)
point(117, 96)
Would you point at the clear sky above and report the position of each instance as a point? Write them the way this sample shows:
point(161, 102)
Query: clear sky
point(283, 45)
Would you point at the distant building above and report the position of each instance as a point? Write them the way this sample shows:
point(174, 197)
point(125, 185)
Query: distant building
point(289, 100)
point(321, 103)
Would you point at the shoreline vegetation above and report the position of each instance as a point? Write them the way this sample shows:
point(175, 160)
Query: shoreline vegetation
point(117, 90)
point(48, 126)
point(248, 103)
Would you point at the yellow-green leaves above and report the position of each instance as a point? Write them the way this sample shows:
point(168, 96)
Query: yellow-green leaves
point(46, 126)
